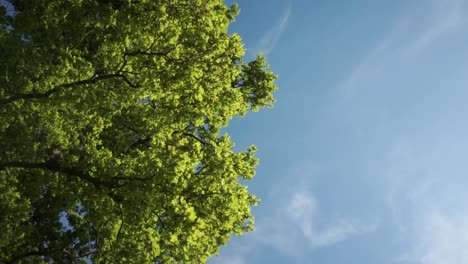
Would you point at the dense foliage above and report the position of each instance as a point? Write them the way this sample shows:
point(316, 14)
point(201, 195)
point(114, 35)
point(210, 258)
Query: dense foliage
point(110, 112)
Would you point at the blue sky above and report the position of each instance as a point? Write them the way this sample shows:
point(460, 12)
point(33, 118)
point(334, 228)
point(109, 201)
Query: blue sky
point(364, 156)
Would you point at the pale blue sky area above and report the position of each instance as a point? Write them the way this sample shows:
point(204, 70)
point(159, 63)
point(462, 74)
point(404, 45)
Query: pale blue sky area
point(364, 158)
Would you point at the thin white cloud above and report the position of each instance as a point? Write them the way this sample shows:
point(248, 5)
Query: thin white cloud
point(410, 34)
point(366, 67)
point(440, 239)
point(425, 173)
point(270, 39)
point(447, 16)
point(295, 228)
point(298, 226)
point(373, 61)
point(403, 166)
point(231, 259)
point(426, 200)
point(302, 211)
point(237, 253)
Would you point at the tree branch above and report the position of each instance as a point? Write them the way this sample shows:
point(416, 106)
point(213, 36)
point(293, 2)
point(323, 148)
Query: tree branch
point(146, 53)
point(54, 167)
point(92, 80)
point(163, 225)
point(123, 178)
point(74, 172)
point(19, 257)
point(196, 138)
point(200, 170)
point(137, 143)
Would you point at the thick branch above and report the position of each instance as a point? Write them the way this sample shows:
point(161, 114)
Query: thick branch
point(48, 93)
point(160, 219)
point(201, 169)
point(146, 53)
point(137, 143)
point(19, 257)
point(123, 178)
point(94, 79)
point(54, 167)
point(74, 172)
point(196, 138)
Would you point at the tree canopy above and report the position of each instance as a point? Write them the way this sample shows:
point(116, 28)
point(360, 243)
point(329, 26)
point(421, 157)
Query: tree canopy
point(110, 144)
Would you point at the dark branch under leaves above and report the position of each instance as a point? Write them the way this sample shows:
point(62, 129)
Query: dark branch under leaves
point(54, 167)
point(18, 258)
point(196, 138)
point(92, 80)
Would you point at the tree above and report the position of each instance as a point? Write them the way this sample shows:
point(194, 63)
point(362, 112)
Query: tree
point(110, 111)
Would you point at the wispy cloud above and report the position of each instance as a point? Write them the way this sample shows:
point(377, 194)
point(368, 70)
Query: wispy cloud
point(294, 229)
point(300, 226)
point(410, 34)
point(446, 16)
point(404, 175)
point(426, 196)
point(270, 39)
point(426, 164)
point(238, 257)
point(236, 253)
point(303, 212)
point(440, 239)
point(369, 64)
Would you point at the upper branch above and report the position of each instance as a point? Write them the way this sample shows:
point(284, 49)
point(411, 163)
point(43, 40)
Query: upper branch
point(196, 138)
point(52, 166)
point(92, 80)
point(95, 78)
point(17, 258)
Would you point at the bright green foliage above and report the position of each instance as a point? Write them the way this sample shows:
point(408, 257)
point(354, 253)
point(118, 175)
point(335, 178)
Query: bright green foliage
point(109, 136)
